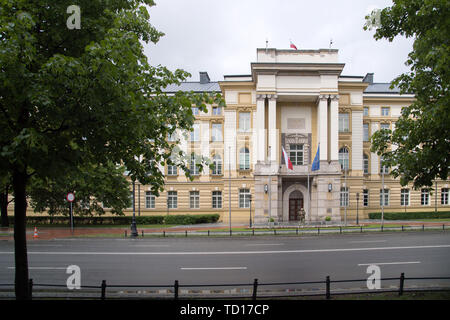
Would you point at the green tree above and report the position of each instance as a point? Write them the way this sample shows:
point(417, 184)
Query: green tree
point(76, 97)
point(422, 133)
point(5, 186)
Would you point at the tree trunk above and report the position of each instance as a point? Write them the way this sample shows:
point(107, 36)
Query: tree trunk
point(20, 240)
point(4, 207)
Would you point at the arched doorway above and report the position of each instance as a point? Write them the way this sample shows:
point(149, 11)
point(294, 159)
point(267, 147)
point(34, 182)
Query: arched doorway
point(295, 204)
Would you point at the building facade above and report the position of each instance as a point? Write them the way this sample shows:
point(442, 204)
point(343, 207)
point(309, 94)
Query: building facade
point(297, 101)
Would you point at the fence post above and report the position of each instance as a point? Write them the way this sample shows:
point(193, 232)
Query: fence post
point(423, 227)
point(164, 233)
point(275, 232)
point(255, 289)
point(340, 229)
point(125, 233)
point(142, 233)
point(185, 233)
point(381, 228)
point(208, 233)
point(402, 281)
point(103, 289)
point(30, 288)
point(296, 231)
point(253, 231)
point(361, 229)
point(318, 230)
point(175, 287)
point(443, 227)
point(328, 295)
point(231, 232)
point(402, 227)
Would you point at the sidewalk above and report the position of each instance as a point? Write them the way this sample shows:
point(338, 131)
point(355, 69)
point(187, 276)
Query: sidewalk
point(64, 232)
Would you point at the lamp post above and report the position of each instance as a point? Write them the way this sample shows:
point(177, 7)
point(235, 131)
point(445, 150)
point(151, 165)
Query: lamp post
point(134, 232)
point(250, 213)
point(357, 207)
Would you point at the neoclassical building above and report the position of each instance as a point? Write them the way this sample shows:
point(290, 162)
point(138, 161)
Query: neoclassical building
point(298, 101)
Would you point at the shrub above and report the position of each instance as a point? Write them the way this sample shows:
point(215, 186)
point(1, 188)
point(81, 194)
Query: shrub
point(410, 215)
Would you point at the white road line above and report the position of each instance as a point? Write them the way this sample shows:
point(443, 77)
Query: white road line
point(367, 241)
point(150, 245)
point(225, 252)
point(215, 268)
point(264, 244)
point(387, 263)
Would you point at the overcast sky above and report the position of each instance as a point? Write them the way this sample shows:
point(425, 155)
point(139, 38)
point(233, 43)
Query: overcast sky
point(221, 36)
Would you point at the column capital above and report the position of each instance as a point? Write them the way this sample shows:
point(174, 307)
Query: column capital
point(272, 97)
point(323, 97)
point(334, 97)
point(260, 96)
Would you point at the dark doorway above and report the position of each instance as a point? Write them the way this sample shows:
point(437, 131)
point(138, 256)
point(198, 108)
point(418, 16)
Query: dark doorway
point(295, 204)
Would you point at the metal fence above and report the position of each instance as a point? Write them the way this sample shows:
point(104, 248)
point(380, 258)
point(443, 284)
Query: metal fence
point(100, 292)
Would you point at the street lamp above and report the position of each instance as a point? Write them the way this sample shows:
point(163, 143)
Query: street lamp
point(250, 201)
point(357, 207)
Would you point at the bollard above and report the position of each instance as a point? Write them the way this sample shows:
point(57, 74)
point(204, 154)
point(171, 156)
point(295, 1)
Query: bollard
point(318, 230)
point(142, 233)
point(175, 287)
point(30, 288)
point(340, 230)
point(125, 233)
point(255, 288)
point(361, 229)
point(103, 289)
point(231, 232)
point(328, 295)
point(296, 231)
point(423, 227)
point(402, 227)
point(443, 227)
point(402, 282)
point(164, 233)
point(253, 232)
point(185, 233)
point(274, 232)
point(208, 233)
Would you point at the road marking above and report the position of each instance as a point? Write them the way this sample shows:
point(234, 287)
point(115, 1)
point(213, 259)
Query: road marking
point(226, 252)
point(45, 245)
point(215, 268)
point(387, 263)
point(151, 245)
point(367, 241)
point(42, 268)
point(265, 244)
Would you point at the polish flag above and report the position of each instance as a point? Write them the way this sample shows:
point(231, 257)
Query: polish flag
point(287, 161)
point(293, 46)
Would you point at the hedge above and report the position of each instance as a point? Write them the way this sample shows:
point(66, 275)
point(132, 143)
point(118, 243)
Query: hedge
point(410, 215)
point(122, 220)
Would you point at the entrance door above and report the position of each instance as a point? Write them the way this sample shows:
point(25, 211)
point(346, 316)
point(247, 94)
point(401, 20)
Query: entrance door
point(295, 204)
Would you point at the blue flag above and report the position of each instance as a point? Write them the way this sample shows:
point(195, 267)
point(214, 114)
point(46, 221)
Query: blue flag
point(316, 163)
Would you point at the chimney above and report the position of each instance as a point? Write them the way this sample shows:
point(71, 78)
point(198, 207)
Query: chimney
point(368, 78)
point(204, 78)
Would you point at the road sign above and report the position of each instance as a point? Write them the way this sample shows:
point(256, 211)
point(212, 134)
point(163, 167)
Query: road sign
point(70, 197)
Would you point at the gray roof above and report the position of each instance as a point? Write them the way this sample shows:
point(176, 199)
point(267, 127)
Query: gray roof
point(193, 86)
point(381, 88)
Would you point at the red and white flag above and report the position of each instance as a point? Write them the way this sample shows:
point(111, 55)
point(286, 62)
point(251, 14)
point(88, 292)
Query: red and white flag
point(293, 46)
point(287, 161)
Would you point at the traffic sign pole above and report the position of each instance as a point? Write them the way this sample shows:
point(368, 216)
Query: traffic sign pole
point(70, 197)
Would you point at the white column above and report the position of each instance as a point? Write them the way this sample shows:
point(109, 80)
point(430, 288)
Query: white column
point(273, 136)
point(357, 140)
point(334, 128)
point(259, 127)
point(322, 126)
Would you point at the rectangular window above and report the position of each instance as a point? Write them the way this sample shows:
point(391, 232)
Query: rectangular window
point(172, 199)
point(296, 154)
point(216, 111)
point(195, 133)
point(244, 198)
point(244, 121)
point(193, 168)
point(216, 132)
point(425, 197)
point(384, 111)
point(217, 199)
point(384, 196)
point(365, 132)
point(366, 111)
point(344, 197)
point(195, 111)
point(172, 170)
point(404, 197)
point(344, 122)
point(194, 199)
point(444, 196)
point(149, 200)
point(385, 126)
point(366, 164)
point(365, 198)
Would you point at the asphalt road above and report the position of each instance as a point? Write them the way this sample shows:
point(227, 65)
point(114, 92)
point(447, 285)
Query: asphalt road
point(237, 259)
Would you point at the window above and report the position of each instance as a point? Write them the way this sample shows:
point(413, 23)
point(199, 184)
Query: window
point(365, 132)
point(384, 196)
point(296, 154)
point(171, 137)
point(444, 196)
point(365, 198)
point(343, 122)
point(344, 197)
point(244, 121)
point(385, 111)
point(194, 199)
point(217, 199)
point(171, 167)
point(344, 158)
point(366, 163)
point(195, 111)
point(149, 200)
point(425, 197)
point(217, 162)
point(193, 168)
point(172, 199)
point(216, 111)
point(383, 168)
point(244, 198)
point(404, 197)
point(216, 132)
point(244, 159)
point(384, 126)
point(366, 111)
point(195, 133)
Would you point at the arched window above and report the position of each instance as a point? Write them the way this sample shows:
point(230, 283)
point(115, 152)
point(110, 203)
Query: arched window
point(217, 162)
point(344, 158)
point(244, 159)
point(366, 163)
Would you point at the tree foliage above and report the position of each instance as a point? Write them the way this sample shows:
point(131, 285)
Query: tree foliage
point(422, 133)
